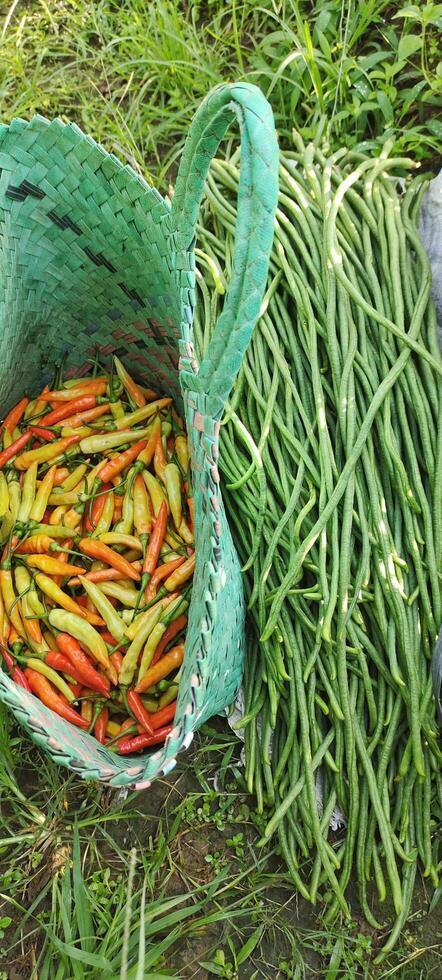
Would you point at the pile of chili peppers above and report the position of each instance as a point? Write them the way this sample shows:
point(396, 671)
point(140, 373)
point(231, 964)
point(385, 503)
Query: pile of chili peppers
point(96, 529)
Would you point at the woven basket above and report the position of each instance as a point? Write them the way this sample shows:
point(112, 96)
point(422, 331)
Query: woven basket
point(93, 259)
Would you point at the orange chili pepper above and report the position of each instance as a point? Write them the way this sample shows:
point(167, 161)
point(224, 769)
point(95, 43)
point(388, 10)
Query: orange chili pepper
point(106, 574)
point(133, 390)
point(162, 571)
point(96, 549)
point(37, 544)
point(91, 520)
point(119, 463)
point(156, 540)
point(171, 661)
point(61, 475)
point(95, 386)
point(82, 418)
point(79, 404)
point(14, 415)
point(159, 459)
point(49, 696)
point(172, 631)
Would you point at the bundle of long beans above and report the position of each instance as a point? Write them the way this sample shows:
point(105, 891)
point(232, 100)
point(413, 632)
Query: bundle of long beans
point(331, 454)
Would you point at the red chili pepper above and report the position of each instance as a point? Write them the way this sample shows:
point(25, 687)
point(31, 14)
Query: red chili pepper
point(14, 448)
point(88, 674)
point(101, 725)
point(129, 745)
point(163, 716)
point(43, 689)
point(173, 629)
point(61, 663)
point(19, 678)
point(77, 405)
point(7, 657)
point(137, 708)
point(44, 434)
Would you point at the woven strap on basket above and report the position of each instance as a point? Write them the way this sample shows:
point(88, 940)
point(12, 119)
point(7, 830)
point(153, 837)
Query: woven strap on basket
point(165, 285)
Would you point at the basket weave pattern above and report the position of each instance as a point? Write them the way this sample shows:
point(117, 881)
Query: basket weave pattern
point(94, 260)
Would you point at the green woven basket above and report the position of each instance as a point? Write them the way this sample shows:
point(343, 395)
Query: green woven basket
point(93, 259)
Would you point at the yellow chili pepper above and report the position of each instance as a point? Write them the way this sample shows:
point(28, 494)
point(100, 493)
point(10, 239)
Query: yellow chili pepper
point(12, 607)
point(105, 520)
point(8, 439)
point(116, 537)
point(185, 533)
point(156, 492)
point(172, 480)
point(54, 592)
point(25, 583)
point(117, 409)
point(73, 480)
point(143, 413)
point(111, 440)
point(31, 409)
point(126, 594)
point(50, 451)
point(130, 658)
point(52, 676)
point(14, 497)
point(83, 632)
point(113, 621)
point(41, 500)
point(49, 639)
point(71, 518)
point(58, 514)
point(87, 710)
point(28, 492)
point(144, 617)
point(169, 696)
point(112, 728)
point(182, 452)
point(68, 499)
point(142, 515)
point(52, 566)
point(126, 524)
point(52, 530)
point(4, 494)
point(79, 430)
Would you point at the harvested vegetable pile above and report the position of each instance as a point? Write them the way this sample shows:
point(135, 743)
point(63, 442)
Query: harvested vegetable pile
point(97, 533)
point(331, 453)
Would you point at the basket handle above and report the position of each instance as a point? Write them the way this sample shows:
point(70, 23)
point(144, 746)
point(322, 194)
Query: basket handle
point(257, 198)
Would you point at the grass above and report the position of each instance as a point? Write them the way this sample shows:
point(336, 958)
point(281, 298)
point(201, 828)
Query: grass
point(133, 72)
point(170, 882)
